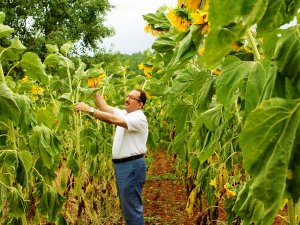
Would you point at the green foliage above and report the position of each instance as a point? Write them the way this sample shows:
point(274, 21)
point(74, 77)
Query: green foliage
point(39, 22)
point(132, 61)
point(240, 79)
point(245, 111)
point(9, 108)
point(267, 141)
point(158, 21)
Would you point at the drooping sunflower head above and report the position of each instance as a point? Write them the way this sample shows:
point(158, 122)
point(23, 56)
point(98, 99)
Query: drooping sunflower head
point(191, 5)
point(152, 30)
point(25, 79)
point(179, 19)
point(147, 69)
point(94, 81)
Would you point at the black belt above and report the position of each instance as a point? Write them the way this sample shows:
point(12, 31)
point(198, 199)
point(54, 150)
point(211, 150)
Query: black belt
point(128, 158)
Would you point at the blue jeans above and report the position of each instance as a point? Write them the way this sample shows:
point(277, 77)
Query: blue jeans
point(130, 177)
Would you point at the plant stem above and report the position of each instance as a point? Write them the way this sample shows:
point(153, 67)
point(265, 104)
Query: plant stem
point(144, 84)
point(291, 212)
point(253, 44)
point(12, 69)
point(12, 135)
point(297, 212)
point(2, 78)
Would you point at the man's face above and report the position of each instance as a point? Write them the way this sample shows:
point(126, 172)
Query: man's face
point(133, 101)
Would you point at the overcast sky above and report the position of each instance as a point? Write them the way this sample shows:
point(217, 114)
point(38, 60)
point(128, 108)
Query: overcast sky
point(127, 20)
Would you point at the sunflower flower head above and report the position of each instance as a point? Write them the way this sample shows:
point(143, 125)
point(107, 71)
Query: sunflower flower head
point(153, 31)
point(236, 46)
point(191, 5)
point(25, 79)
point(35, 89)
point(229, 193)
point(213, 183)
point(93, 81)
point(201, 51)
point(216, 72)
point(179, 20)
point(146, 69)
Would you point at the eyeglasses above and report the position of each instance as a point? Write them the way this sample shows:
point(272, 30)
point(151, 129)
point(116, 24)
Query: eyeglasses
point(133, 98)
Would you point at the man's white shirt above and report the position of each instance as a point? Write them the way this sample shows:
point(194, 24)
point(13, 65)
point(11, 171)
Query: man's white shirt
point(131, 141)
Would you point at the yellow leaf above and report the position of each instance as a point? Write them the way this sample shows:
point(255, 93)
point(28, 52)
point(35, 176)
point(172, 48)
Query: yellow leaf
point(191, 201)
point(213, 183)
point(199, 17)
point(229, 193)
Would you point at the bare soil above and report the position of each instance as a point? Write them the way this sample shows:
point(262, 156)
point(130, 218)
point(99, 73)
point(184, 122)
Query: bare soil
point(164, 194)
point(165, 197)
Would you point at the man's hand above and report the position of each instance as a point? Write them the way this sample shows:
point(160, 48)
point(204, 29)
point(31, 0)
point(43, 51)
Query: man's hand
point(81, 106)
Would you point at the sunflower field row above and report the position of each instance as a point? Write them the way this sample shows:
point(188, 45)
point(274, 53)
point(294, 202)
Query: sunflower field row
point(229, 72)
point(55, 163)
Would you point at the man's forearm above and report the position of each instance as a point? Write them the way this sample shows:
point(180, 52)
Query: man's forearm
point(110, 118)
point(101, 103)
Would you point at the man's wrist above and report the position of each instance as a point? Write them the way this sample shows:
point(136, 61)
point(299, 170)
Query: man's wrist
point(92, 110)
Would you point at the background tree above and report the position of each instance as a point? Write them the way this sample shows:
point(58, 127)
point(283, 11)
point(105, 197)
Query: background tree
point(38, 22)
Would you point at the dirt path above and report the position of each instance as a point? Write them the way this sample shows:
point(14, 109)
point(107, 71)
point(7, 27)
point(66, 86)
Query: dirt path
point(164, 195)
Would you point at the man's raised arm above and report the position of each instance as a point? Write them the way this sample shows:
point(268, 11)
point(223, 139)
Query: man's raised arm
point(101, 103)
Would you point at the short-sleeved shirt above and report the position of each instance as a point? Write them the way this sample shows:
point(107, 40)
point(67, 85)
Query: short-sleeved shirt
point(131, 141)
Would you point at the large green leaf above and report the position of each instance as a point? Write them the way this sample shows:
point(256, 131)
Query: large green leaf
point(3, 194)
point(14, 50)
point(21, 172)
point(249, 208)
point(9, 108)
point(269, 88)
point(278, 12)
point(72, 162)
point(50, 203)
point(2, 17)
point(55, 203)
point(204, 96)
point(163, 44)
point(8, 165)
point(235, 76)
point(52, 48)
point(26, 158)
point(16, 203)
point(34, 68)
point(59, 60)
point(293, 180)
point(28, 120)
point(180, 144)
point(67, 47)
point(190, 79)
point(5, 30)
point(64, 120)
point(188, 46)
point(46, 116)
point(158, 20)
point(267, 142)
point(182, 113)
point(229, 23)
point(45, 144)
point(287, 55)
point(212, 117)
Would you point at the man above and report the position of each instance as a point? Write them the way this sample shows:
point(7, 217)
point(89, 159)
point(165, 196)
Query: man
point(128, 149)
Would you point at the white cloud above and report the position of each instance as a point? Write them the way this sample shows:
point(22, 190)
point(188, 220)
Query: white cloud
point(127, 20)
